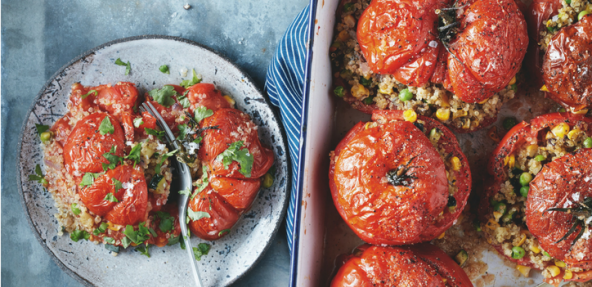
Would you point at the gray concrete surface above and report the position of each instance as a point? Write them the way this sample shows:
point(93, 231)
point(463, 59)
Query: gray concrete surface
point(38, 37)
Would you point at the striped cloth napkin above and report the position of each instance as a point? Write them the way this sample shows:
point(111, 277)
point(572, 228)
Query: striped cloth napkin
point(284, 84)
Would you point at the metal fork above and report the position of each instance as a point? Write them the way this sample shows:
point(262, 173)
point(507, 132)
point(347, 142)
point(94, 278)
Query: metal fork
point(185, 183)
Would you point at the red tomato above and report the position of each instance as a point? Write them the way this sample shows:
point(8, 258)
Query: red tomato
point(117, 99)
point(568, 63)
point(84, 149)
point(405, 208)
point(62, 129)
point(206, 95)
point(398, 37)
point(128, 126)
point(233, 125)
point(131, 206)
point(77, 103)
point(419, 265)
point(163, 238)
point(222, 215)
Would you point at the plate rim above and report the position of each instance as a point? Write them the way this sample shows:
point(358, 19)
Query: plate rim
point(248, 78)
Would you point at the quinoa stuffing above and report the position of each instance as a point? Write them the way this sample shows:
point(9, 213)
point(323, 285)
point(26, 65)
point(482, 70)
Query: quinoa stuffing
point(570, 12)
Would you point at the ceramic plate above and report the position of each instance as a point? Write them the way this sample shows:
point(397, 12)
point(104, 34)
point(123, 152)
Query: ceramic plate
point(231, 256)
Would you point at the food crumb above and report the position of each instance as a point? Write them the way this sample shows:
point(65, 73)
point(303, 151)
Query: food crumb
point(187, 6)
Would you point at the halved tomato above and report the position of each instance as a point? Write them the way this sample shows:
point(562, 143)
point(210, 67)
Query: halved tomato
point(206, 95)
point(129, 205)
point(220, 219)
point(117, 99)
point(85, 147)
point(418, 265)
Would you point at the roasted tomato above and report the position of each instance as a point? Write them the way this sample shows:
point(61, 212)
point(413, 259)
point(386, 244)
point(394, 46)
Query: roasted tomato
point(122, 206)
point(166, 225)
point(117, 99)
point(62, 129)
point(206, 95)
point(556, 182)
point(567, 66)
point(230, 189)
point(389, 182)
point(405, 39)
point(85, 146)
point(419, 265)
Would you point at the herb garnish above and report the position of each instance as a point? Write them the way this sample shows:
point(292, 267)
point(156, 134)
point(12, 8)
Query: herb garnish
point(89, 178)
point(580, 214)
point(128, 66)
point(109, 240)
point(79, 234)
point(75, 209)
point(164, 95)
point(143, 250)
point(223, 232)
point(110, 197)
point(196, 215)
point(202, 249)
point(202, 113)
point(41, 128)
point(38, 177)
point(243, 157)
point(101, 229)
point(106, 126)
point(135, 154)
point(183, 100)
point(88, 94)
point(158, 134)
point(204, 181)
point(112, 158)
point(138, 122)
point(166, 221)
point(188, 83)
point(164, 69)
point(164, 157)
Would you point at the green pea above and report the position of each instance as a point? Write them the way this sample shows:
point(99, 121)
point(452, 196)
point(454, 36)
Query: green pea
point(518, 252)
point(582, 14)
point(588, 143)
point(540, 157)
point(339, 91)
point(524, 191)
point(267, 180)
point(507, 217)
point(510, 123)
point(45, 136)
point(525, 178)
point(75, 209)
point(365, 82)
point(500, 207)
point(405, 95)
point(568, 2)
point(551, 29)
point(368, 100)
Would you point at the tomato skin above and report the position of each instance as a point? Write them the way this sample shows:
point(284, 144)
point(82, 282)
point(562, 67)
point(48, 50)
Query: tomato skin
point(162, 238)
point(117, 99)
point(567, 58)
point(85, 146)
point(222, 215)
point(364, 198)
point(77, 104)
point(62, 129)
point(131, 208)
point(233, 125)
point(418, 265)
point(206, 95)
point(239, 193)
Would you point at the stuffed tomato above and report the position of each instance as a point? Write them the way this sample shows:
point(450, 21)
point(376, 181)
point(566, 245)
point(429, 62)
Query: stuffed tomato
point(452, 61)
point(560, 57)
point(536, 204)
point(419, 265)
point(399, 179)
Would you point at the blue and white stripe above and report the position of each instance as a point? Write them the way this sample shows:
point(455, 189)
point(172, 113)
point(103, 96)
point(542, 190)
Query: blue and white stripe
point(284, 85)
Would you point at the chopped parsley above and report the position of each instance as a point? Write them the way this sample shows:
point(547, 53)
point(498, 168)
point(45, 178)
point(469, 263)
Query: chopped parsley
point(88, 94)
point(164, 95)
point(174, 240)
point(188, 83)
point(204, 182)
point(41, 128)
point(106, 126)
point(79, 234)
point(243, 157)
point(128, 66)
point(202, 249)
point(101, 229)
point(225, 231)
point(136, 236)
point(75, 209)
point(38, 176)
point(186, 191)
point(166, 221)
point(112, 248)
point(158, 134)
point(112, 158)
point(143, 250)
point(164, 157)
point(183, 130)
point(202, 113)
point(118, 185)
point(183, 100)
point(138, 122)
point(135, 154)
point(197, 215)
point(164, 69)
point(89, 178)
point(110, 197)
point(109, 240)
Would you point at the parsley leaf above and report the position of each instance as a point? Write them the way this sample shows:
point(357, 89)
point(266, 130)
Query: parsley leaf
point(182, 131)
point(164, 69)
point(137, 237)
point(204, 182)
point(118, 185)
point(112, 248)
point(185, 191)
point(106, 126)
point(243, 157)
point(75, 209)
point(143, 250)
point(202, 249)
point(127, 65)
point(198, 140)
point(79, 234)
point(89, 178)
point(158, 134)
point(38, 177)
point(174, 240)
point(41, 128)
point(223, 232)
point(197, 215)
point(164, 96)
point(126, 242)
point(90, 92)
point(183, 100)
point(135, 154)
point(112, 158)
point(110, 197)
point(188, 83)
point(138, 122)
point(101, 229)
point(109, 240)
point(166, 221)
point(202, 113)
point(164, 157)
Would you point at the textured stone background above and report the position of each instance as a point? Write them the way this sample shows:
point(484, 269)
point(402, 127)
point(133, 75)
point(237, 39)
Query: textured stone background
point(38, 37)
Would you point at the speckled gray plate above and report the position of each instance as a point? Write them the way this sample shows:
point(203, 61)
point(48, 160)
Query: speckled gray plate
point(231, 256)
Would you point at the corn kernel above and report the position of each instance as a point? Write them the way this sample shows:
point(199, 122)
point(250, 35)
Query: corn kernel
point(343, 36)
point(573, 134)
point(459, 113)
point(443, 114)
point(549, 23)
point(497, 215)
point(492, 224)
point(553, 270)
point(544, 88)
point(455, 162)
point(385, 90)
point(366, 125)
point(410, 116)
point(359, 91)
point(559, 263)
point(510, 161)
point(512, 81)
point(229, 100)
point(531, 150)
point(444, 101)
point(523, 269)
point(560, 130)
point(535, 249)
point(112, 226)
point(568, 275)
point(522, 239)
point(442, 235)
